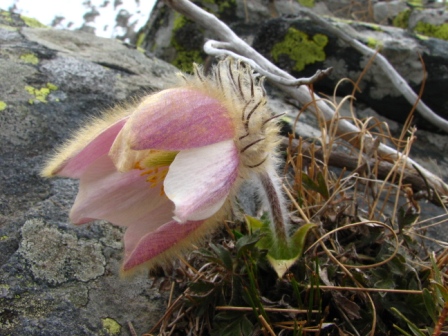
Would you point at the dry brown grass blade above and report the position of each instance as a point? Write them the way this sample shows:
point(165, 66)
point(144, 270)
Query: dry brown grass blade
point(350, 162)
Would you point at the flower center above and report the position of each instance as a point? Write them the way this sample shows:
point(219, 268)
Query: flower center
point(155, 165)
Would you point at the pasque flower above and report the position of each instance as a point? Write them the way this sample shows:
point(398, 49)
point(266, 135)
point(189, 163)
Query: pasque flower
point(168, 167)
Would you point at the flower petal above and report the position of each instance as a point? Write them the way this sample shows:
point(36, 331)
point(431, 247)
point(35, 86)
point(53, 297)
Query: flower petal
point(168, 238)
point(78, 159)
point(179, 119)
point(199, 180)
point(120, 198)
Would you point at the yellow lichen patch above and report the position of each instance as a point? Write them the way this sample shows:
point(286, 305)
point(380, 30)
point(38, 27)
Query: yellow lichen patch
point(437, 31)
point(374, 43)
point(110, 326)
point(3, 105)
point(307, 3)
point(299, 47)
point(184, 58)
point(29, 58)
point(140, 39)
point(402, 19)
point(40, 94)
point(30, 22)
point(52, 87)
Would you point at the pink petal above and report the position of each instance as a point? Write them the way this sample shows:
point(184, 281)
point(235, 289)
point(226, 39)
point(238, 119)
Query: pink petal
point(75, 166)
point(199, 180)
point(120, 198)
point(154, 219)
point(179, 119)
point(169, 237)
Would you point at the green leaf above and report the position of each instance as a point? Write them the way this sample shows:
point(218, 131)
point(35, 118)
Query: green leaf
point(282, 256)
point(299, 237)
point(237, 234)
point(323, 190)
point(281, 266)
point(415, 330)
point(246, 243)
point(442, 290)
point(253, 223)
point(232, 323)
point(224, 256)
point(320, 186)
point(309, 183)
point(430, 305)
point(406, 218)
point(201, 287)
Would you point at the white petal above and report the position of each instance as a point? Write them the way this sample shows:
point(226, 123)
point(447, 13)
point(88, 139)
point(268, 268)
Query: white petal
point(199, 180)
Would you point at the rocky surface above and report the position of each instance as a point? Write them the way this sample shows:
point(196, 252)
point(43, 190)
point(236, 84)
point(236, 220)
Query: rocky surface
point(55, 278)
point(281, 32)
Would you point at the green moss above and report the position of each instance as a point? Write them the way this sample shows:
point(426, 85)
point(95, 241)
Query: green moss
point(3, 106)
point(52, 87)
point(226, 5)
point(223, 6)
point(437, 31)
point(184, 60)
point(30, 22)
point(140, 39)
point(374, 43)
point(375, 27)
point(179, 22)
point(184, 57)
point(40, 94)
point(416, 3)
point(29, 58)
point(3, 237)
point(111, 326)
point(306, 3)
point(300, 48)
point(402, 19)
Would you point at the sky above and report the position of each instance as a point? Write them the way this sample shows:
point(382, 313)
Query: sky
point(73, 11)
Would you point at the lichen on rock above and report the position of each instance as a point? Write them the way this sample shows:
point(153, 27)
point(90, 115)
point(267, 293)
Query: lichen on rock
point(299, 47)
point(110, 326)
point(188, 50)
point(29, 58)
point(57, 257)
point(40, 94)
point(437, 31)
point(31, 22)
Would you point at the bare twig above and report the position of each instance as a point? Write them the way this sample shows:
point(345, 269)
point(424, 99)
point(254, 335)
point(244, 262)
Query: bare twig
point(396, 79)
point(275, 310)
point(302, 94)
point(216, 48)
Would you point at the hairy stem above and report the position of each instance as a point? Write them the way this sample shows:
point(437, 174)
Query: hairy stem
point(273, 198)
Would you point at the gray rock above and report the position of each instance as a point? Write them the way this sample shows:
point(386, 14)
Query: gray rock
point(384, 12)
point(294, 43)
point(56, 278)
point(431, 16)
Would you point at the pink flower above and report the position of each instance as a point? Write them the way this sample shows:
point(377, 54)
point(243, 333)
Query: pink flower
point(168, 168)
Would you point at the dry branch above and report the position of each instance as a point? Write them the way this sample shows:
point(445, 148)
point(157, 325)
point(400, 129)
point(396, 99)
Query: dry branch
point(238, 48)
point(389, 71)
